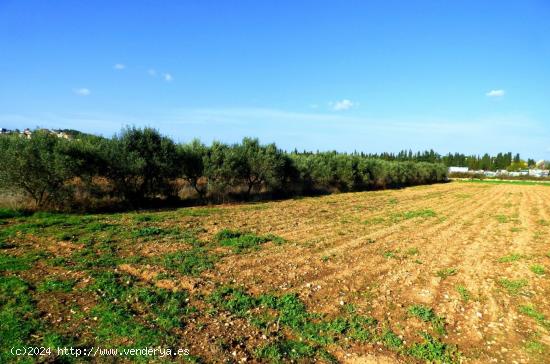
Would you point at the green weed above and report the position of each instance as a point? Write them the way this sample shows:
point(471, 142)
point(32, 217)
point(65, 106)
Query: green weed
point(464, 293)
point(10, 213)
point(423, 213)
point(12, 263)
point(510, 258)
point(282, 350)
point(446, 272)
point(243, 242)
point(56, 285)
point(190, 262)
point(502, 219)
point(513, 287)
point(434, 351)
point(536, 315)
point(537, 269)
point(427, 314)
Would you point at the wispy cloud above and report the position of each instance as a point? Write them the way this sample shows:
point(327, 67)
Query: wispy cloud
point(495, 93)
point(167, 77)
point(119, 66)
point(152, 72)
point(82, 91)
point(342, 105)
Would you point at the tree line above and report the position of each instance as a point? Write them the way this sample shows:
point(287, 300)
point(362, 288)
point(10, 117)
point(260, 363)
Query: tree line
point(139, 166)
point(475, 162)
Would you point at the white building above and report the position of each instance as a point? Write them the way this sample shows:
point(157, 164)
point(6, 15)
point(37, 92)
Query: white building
point(458, 169)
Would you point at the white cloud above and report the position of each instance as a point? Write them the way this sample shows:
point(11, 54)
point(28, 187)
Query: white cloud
point(152, 72)
point(119, 66)
point(167, 77)
point(341, 105)
point(495, 93)
point(82, 91)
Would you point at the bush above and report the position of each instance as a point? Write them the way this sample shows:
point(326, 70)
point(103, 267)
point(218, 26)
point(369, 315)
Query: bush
point(36, 167)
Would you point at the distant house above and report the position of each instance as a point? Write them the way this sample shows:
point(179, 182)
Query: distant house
point(490, 174)
point(458, 169)
point(62, 134)
point(538, 172)
point(502, 172)
point(26, 133)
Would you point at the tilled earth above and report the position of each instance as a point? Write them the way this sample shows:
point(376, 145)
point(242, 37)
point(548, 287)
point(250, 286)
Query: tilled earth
point(455, 272)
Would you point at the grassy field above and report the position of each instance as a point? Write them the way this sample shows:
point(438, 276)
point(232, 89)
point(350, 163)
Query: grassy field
point(444, 273)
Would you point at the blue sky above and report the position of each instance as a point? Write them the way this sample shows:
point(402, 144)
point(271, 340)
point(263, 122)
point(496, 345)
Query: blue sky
point(467, 76)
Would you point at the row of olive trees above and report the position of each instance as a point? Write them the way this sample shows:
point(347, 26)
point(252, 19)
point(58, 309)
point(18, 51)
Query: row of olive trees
point(140, 165)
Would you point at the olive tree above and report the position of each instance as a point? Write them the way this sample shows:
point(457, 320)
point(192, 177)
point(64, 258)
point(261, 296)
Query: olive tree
point(35, 167)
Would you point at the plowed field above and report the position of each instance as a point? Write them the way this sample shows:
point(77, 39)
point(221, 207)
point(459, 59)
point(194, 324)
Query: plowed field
point(455, 272)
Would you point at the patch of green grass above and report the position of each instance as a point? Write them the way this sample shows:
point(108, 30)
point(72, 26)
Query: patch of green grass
point(422, 213)
point(392, 201)
point(434, 351)
point(391, 340)
point(389, 254)
point(18, 319)
point(241, 242)
point(234, 300)
point(374, 221)
point(96, 226)
point(446, 272)
point(283, 350)
point(464, 293)
point(56, 285)
point(514, 287)
point(145, 315)
point(199, 212)
point(147, 218)
point(190, 262)
point(535, 347)
point(504, 182)
point(10, 213)
point(543, 222)
point(539, 317)
point(427, 314)
point(537, 269)
point(510, 258)
point(11, 263)
point(92, 256)
point(148, 231)
point(315, 331)
point(502, 218)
